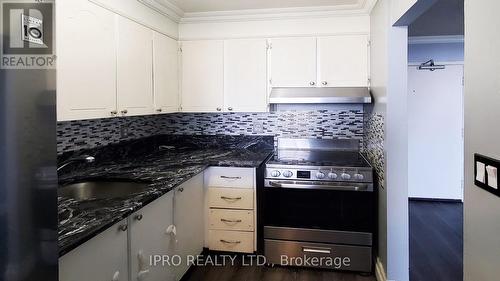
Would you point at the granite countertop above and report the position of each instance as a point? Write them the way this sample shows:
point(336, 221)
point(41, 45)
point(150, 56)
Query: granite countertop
point(163, 162)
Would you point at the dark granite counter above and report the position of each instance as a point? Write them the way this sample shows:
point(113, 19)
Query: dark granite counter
point(163, 162)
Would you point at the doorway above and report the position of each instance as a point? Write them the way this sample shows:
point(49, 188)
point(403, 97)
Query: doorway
point(436, 142)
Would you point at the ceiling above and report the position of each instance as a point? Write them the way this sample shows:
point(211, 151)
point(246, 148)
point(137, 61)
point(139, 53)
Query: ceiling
point(445, 17)
point(199, 6)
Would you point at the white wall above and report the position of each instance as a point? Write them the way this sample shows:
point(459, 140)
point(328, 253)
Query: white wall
point(352, 24)
point(482, 135)
point(442, 52)
point(389, 78)
point(140, 13)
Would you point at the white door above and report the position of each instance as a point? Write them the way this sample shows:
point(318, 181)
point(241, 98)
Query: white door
point(166, 73)
point(134, 68)
point(148, 237)
point(293, 62)
point(435, 126)
point(245, 75)
point(189, 220)
point(103, 257)
point(343, 61)
point(202, 76)
point(86, 61)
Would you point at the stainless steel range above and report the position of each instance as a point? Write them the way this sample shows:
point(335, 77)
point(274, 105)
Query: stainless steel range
point(319, 205)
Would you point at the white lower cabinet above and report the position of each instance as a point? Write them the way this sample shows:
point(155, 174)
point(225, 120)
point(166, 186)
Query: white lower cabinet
point(129, 248)
point(231, 211)
point(149, 237)
point(104, 257)
point(188, 219)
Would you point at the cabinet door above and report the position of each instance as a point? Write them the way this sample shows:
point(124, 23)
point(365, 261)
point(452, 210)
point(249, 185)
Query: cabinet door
point(245, 75)
point(343, 61)
point(134, 68)
point(166, 73)
point(189, 220)
point(293, 62)
point(148, 236)
point(86, 61)
point(104, 257)
point(202, 76)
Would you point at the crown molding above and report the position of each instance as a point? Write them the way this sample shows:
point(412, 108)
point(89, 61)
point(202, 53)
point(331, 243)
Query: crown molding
point(447, 39)
point(165, 7)
point(171, 10)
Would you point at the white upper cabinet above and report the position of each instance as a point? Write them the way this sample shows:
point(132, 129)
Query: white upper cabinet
point(166, 73)
point(245, 75)
point(86, 81)
point(293, 62)
point(134, 68)
point(202, 76)
point(343, 61)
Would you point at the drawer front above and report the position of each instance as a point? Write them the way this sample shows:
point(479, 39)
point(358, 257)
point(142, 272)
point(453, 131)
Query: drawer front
point(223, 219)
point(230, 177)
point(332, 256)
point(230, 198)
point(231, 241)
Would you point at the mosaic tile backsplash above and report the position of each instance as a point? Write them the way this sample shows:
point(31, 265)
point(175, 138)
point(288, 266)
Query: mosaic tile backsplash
point(373, 144)
point(325, 124)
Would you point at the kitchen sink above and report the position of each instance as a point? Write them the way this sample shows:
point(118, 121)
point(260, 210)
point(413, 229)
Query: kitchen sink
point(101, 190)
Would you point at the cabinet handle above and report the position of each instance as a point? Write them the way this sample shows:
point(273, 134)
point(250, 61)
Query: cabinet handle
point(230, 198)
point(123, 227)
point(316, 250)
point(219, 109)
point(230, 178)
point(159, 110)
point(312, 83)
point(230, 108)
point(325, 83)
point(230, 221)
point(116, 276)
point(181, 189)
point(230, 242)
point(138, 217)
point(114, 112)
point(124, 111)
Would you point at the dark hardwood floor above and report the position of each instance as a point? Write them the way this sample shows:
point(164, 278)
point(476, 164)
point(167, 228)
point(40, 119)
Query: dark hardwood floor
point(436, 241)
point(238, 272)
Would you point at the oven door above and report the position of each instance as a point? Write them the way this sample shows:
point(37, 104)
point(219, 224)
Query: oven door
point(319, 205)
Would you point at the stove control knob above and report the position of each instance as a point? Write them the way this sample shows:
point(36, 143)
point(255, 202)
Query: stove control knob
point(359, 177)
point(287, 174)
point(320, 175)
point(275, 173)
point(332, 175)
point(345, 176)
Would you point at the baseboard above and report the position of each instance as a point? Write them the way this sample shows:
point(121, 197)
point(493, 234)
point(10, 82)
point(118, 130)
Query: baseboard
point(379, 271)
point(435, 200)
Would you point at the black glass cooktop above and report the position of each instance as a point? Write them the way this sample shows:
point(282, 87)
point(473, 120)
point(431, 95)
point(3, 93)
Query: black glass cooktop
point(318, 158)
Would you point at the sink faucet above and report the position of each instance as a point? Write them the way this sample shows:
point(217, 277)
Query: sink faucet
point(83, 158)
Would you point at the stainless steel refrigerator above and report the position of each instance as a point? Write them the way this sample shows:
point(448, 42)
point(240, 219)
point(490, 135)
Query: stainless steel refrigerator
point(28, 178)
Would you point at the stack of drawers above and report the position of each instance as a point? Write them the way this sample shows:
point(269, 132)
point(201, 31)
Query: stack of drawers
point(231, 209)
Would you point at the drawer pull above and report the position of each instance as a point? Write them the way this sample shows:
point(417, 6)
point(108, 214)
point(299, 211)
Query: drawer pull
point(230, 221)
point(316, 250)
point(230, 242)
point(230, 178)
point(230, 198)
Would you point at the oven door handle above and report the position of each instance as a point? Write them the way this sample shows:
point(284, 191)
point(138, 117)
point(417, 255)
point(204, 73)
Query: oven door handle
point(316, 250)
point(317, 186)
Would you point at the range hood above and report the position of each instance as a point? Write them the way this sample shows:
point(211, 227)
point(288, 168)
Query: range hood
point(320, 95)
